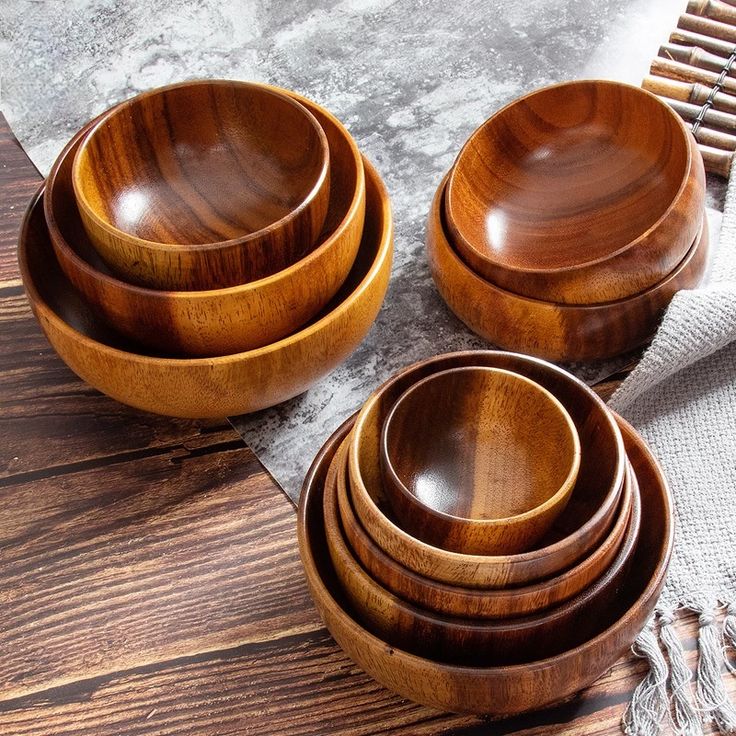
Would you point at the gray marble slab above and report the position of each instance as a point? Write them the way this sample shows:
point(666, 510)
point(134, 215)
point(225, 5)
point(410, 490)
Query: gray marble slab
point(410, 79)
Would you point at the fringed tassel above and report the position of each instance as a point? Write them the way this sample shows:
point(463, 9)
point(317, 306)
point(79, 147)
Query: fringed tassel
point(648, 705)
point(729, 635)
point(711, 691)
point(685, 716)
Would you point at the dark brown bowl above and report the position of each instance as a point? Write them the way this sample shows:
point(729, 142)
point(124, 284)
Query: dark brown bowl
point(474, 603)
point(217, 321)
point(478, 460)
point(580, 193)
point(490, 689)
point(203, 185)
point(576, 531)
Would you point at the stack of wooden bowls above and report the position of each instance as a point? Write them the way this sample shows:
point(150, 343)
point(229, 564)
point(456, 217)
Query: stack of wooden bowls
point(569, 220)
point(485, 536)
point(208, 249)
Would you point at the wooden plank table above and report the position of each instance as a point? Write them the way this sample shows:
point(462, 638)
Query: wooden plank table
point(149, 575)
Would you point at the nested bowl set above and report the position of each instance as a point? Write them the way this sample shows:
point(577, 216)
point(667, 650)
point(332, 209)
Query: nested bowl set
point(484, 535)
point(208, 249)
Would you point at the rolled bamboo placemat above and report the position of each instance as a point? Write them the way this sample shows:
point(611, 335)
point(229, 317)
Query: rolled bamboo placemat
point(713, 9)
point(714, 45)
point(715, 138)
point(695, 56)
point(707, 27)
point(716, 160)
point(675, 70)
point(712, 118)
point(697, 94)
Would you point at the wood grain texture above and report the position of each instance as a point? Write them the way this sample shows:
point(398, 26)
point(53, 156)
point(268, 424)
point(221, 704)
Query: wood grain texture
point(560, 332)
point(456, 600)
point(478, 460)
point(209, 387)
point(220, 321)
point(525, 213)
point(576, 531)
point(498, 690)
point(203, 185)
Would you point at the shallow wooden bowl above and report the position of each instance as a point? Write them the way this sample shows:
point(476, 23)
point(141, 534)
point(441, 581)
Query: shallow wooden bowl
point(579, 193)
point(208, 387)
point(478, 460)
point(203, 185)
point(218, 321)
point(576, 531)
point(488, 689)
point(473, 603)
point(471, 640)
point(563, 332)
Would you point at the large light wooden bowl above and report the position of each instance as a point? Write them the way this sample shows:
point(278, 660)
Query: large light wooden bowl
point(560, 332)
point(219, 321)
point(208, 387)
point(203, 184)
point(579, 193)
point(474, 603)
point(579, 528)
point(478, 460)
point(488, 689)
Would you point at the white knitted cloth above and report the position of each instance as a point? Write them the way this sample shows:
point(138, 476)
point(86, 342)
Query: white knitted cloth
point(682, 398)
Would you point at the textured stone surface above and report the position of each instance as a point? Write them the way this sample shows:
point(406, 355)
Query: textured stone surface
point(410, 79)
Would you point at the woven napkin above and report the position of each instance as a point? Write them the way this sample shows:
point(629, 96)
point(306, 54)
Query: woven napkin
point(682, 399)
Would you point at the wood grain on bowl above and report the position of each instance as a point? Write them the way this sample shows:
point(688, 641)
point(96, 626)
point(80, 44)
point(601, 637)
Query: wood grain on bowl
point(580, 193)
point(218, 321)
point(203, 184)
point(478, 460)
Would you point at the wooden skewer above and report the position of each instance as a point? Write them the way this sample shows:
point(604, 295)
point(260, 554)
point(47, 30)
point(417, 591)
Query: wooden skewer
point(714, 45)
point(688, 92)
point(713, 9)
point(715, 160)
point(675, 70)
point(715, 138)
point(707, 27)
point(713, 118)
point(694, 56)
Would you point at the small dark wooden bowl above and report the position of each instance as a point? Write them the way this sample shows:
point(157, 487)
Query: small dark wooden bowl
point(218, 321)
point(580, 193)
point(478, 460)
point(208, 387)
point(561, 332)
point(203, 185)
point(489, 689)
point(473, 603)
point(576, 531)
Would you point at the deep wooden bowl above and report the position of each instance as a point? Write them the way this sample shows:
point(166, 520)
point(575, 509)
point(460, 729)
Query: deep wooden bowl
point(468, 640)
point(455, 600)
point(579, 193)
point(562, 332)
point(219, 321)
point(203, 185)
point(208, 387)
point(576, 531)
point(494, 690)
point(478, 460)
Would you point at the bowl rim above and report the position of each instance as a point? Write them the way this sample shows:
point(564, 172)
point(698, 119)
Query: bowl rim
point(184, 295)
point(324, 594)
point(243, 240)
point(557, 498)
point(674, 118)
point(462, 558)
point(383, 252)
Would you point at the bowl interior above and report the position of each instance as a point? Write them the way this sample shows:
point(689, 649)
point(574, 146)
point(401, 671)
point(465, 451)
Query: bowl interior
point(479, 443)
point(567, 175)
point(66, 224)
point(201, 162)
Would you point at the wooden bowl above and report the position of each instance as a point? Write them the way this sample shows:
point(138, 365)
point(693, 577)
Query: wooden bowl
point(219, 321)
point(469, 640)
point(562, 332)
point(478, 460)
point(208, 387)
point(579, 193)
point(203, 185)
point(494, 690)
point(576, 531)
point(455, 600)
